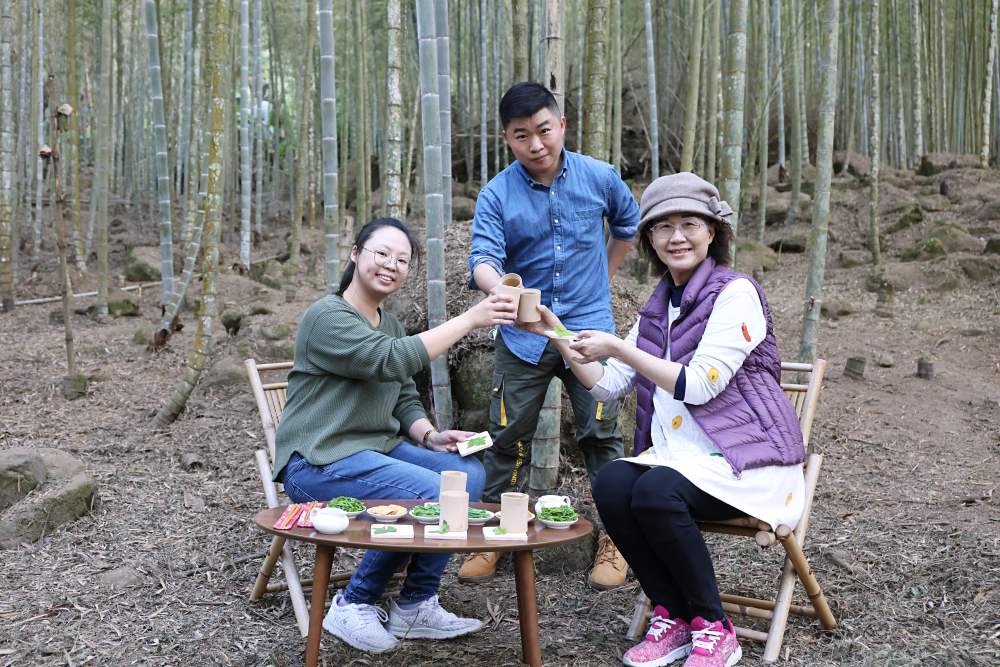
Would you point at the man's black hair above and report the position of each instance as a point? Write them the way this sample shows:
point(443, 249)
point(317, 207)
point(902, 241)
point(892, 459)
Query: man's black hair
point(525, 99)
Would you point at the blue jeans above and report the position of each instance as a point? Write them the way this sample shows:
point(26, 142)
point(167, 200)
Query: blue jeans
point(408, 472)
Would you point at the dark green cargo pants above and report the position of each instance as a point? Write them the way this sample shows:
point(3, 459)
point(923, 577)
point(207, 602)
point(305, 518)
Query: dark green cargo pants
point(517, 392)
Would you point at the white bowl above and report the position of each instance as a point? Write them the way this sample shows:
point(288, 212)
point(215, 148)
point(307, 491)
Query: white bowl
point(329, 520)
point(478, 521)
point(558, 525)
point(382, 518)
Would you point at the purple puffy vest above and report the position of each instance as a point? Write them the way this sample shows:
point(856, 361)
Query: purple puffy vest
point(751, 421)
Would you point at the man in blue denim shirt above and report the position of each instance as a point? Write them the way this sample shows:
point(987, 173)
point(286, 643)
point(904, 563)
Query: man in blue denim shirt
point(543, 218)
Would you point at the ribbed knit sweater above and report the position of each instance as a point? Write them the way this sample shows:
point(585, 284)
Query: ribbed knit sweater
point(351, 386)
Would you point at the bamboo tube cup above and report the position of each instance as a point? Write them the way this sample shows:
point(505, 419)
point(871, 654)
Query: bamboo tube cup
point(527, 306)
point(452, 480)
point(455, 510)
point(514, 512)
point(511, 280)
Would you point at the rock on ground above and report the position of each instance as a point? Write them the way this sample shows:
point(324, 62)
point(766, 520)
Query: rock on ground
point(62, 492)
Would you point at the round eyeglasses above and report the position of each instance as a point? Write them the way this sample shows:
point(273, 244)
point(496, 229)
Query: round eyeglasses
point(688, 228)
point(384, 259)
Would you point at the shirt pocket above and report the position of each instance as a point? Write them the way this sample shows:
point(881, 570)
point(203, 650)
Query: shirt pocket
point(588, 226)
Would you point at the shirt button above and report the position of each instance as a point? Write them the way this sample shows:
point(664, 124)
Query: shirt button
point(557, 274)
point(558, 247)
point(555, 298)
point(556, 221)
point(676, 422)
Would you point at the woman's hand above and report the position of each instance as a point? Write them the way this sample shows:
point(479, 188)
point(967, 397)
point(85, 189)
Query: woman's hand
point(445, 441)
point(491, 311)
point(549, 321)
point(596, 345)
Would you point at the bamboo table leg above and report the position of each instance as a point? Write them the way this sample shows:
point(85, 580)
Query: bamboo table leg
point(321, 577)
point(527, 608)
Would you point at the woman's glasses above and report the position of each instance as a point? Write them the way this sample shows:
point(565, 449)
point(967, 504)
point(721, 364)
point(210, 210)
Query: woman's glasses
point(384, 259)
point(688, 228)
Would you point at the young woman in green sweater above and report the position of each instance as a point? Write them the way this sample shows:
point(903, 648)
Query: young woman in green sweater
point(351, 395)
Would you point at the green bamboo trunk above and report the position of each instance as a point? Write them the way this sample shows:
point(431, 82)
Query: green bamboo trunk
point(7, 32)
point(217, 50)
point(735, 86)
point(328, 106)
point(875, 139)
point(824, 176)
point(430, 116)
point(695, 19)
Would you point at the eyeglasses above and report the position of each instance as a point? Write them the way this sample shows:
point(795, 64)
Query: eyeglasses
point(666, 229)
point(384, 259)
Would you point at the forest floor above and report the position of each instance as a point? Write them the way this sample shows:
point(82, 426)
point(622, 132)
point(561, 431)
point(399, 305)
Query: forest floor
point(905, 534)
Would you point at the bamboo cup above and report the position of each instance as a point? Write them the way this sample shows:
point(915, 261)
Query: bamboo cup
point(511, 291)
point(452, 480)
point(514, 512)
point(511, 280)
point(455, 510)
point(527, 306)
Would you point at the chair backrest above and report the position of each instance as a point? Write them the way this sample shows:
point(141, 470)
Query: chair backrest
point(270, 397)
point(804, 392)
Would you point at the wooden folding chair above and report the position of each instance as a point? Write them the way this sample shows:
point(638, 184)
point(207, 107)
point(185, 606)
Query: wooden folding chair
point(804, 398)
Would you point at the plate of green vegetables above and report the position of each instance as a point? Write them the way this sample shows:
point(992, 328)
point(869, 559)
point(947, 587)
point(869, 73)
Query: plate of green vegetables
point(560, 517)
point(431, 513)
point(352, 506)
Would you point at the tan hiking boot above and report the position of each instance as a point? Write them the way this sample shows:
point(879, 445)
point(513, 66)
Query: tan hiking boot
point(479, 567)
point(610, 567)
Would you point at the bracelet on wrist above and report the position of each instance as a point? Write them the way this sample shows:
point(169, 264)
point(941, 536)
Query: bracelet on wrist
point(426, 437)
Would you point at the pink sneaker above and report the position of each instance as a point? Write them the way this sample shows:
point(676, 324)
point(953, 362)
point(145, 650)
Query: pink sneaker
point(667, 640)
point(713, 644)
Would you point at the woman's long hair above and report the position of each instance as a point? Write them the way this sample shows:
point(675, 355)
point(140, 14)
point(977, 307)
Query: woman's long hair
point(362, 238)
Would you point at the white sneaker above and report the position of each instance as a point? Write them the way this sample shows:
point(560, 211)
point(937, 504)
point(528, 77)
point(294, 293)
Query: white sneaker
point(359, 625)
point(429, 620)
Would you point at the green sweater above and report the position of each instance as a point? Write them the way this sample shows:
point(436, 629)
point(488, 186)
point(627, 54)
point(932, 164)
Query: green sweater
point(351, 387)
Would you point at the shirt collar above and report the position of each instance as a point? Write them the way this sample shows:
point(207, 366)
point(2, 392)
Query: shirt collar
point(564, 155)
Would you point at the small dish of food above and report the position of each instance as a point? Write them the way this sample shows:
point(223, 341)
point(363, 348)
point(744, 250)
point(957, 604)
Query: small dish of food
point(478, 517)
point(387, 513)
point(352, 507)
point(560, 517)
point(426, 513)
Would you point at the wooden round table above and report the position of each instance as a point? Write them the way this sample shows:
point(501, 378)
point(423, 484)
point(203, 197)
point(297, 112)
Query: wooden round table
point(358, 536)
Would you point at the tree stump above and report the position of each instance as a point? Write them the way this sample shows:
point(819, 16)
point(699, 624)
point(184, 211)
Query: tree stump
point(925, 368)
point(855, 368)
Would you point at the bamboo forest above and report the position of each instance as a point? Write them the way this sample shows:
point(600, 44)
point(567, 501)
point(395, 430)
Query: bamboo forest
point(268, 268)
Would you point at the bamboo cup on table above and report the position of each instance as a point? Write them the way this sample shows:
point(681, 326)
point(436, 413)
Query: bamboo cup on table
point(453, 480)
point(527, 306)
point(514, 512)
point(455, 510)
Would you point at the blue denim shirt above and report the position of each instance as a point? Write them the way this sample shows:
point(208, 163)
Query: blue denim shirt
point(554, 238)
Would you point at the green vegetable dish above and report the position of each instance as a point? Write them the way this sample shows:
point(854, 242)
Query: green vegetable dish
point(431, 510)
point(347, 503)
point(426, 510)
point(382, 530)
point(561, 513)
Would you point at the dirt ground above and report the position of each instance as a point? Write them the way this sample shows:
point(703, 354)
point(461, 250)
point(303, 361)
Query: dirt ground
point(905, 535)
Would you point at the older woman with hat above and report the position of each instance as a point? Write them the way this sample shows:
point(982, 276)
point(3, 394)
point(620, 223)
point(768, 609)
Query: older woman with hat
point(715, 437)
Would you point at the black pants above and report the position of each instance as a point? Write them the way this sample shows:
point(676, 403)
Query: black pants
point(650, 514)
point(518, 391)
